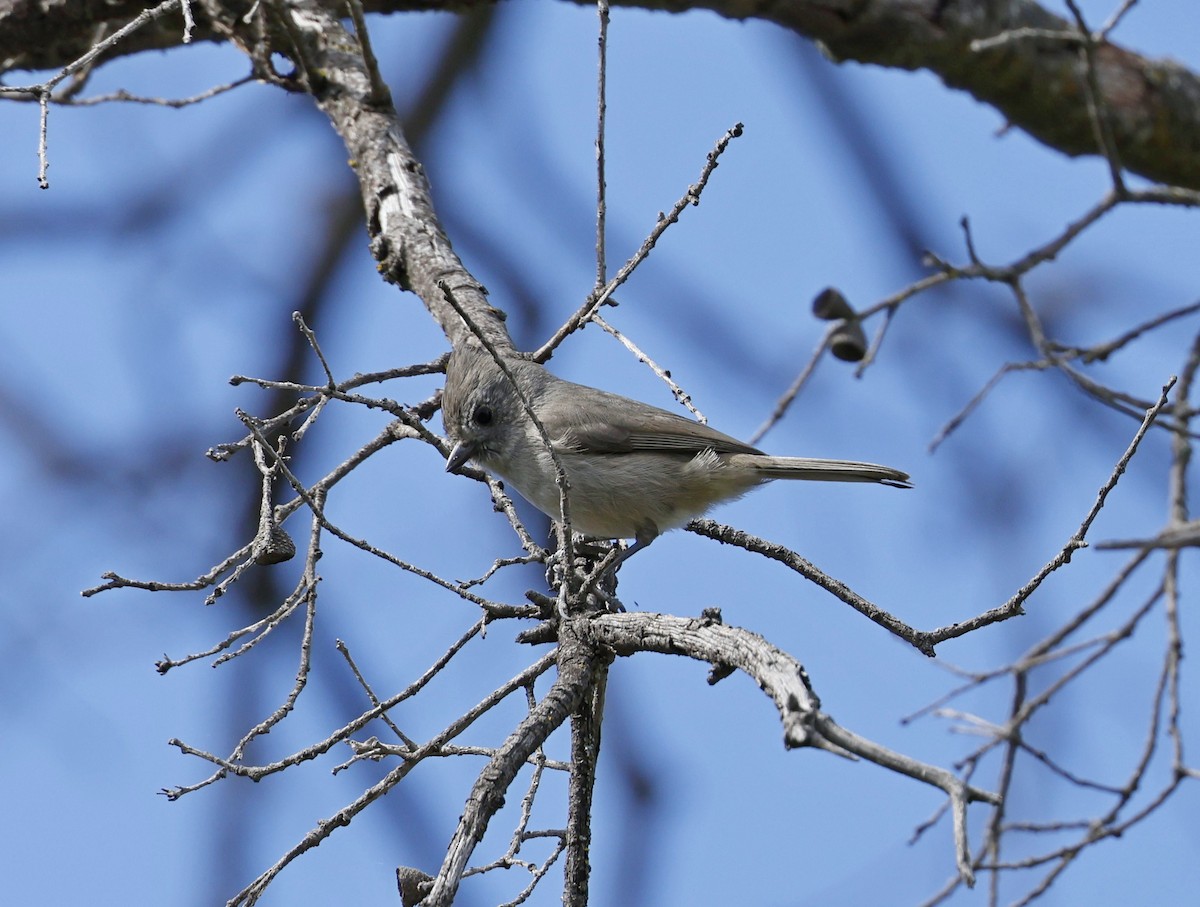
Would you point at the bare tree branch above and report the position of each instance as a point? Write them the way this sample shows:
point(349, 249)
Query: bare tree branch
point(1017, 57)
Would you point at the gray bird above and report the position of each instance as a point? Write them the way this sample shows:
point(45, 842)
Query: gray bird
point(633, 470)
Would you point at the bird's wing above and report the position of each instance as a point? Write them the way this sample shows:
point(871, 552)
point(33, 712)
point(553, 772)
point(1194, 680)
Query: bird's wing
point(616, 425)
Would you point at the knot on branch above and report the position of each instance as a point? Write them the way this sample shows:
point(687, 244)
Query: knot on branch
point(589, 584)
point(413, 885)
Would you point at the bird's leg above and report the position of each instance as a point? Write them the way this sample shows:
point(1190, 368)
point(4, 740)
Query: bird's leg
point(602, 579)
point(617, 555)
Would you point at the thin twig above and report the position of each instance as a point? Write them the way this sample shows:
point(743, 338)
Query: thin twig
point(684, 398)
point(785, 401)
point(597, 299)
point(1014, 605)
point(601, 113)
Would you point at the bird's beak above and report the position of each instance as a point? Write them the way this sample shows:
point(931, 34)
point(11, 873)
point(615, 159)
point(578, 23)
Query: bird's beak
point(462, 452)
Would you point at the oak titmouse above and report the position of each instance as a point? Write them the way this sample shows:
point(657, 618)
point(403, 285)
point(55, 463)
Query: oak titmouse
point(633, 470)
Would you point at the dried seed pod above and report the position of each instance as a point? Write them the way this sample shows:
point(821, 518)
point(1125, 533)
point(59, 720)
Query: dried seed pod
point(848, 342)
point(275, 546)
point(830, 305)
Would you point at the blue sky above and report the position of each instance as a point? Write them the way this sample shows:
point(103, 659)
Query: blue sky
point(166, 256)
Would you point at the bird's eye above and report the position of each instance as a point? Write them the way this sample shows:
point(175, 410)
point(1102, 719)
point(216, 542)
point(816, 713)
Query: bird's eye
point(482, 415)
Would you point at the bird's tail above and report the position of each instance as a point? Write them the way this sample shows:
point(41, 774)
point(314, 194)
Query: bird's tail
point(820, 470)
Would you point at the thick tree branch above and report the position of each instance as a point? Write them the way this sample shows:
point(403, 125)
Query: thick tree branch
point(577, 667)
point(1011, 56)
point(1016, 56)
point(406, 236)
point(784, 679)
point(586, 724)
